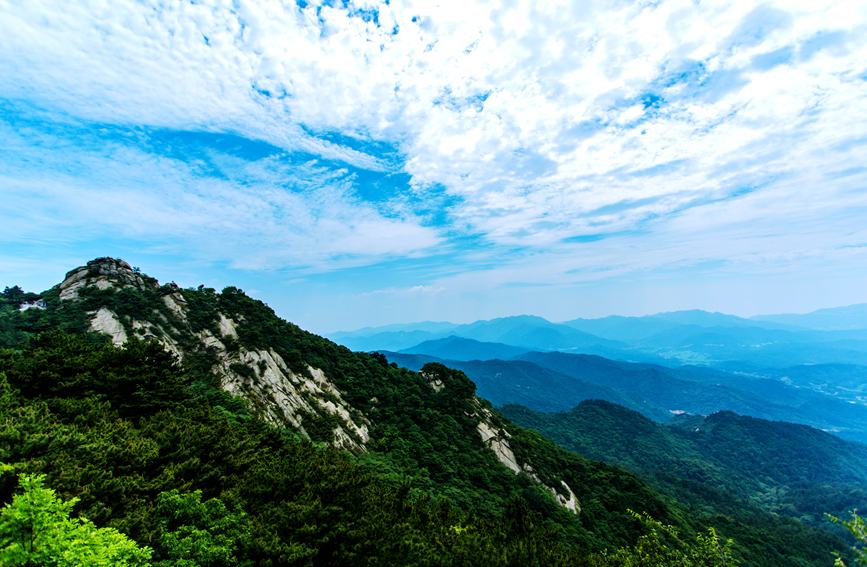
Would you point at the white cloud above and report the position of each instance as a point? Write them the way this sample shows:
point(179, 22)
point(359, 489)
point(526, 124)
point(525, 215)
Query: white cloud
point(255, 216)
point(544, 121)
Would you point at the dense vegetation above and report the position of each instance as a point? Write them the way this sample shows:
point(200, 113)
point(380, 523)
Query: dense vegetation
point(722, 461)
point(150, 447)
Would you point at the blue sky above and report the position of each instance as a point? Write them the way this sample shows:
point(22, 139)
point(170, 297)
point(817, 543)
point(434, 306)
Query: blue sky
point(364, 163)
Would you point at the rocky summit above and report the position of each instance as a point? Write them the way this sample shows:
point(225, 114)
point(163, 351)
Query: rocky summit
point(260, 375)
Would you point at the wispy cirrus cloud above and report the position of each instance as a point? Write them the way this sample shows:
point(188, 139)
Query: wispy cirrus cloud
point(269, 210)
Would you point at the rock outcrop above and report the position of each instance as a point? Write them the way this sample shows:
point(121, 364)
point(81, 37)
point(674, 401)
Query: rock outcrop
point(105, 321)
point(280, 396)
point(283, 396)
point(497, 440)
point(101, 273)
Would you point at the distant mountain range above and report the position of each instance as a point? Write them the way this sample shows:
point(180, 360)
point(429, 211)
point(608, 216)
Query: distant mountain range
point(834, 319)
point(525, 331)
point(457, 348)
point(543, 389)
point(556, 381)
point(825, 351)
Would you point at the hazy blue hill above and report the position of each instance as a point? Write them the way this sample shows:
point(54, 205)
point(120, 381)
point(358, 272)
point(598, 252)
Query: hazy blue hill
point(767, 388)
point(835, 318)
point(845, 382)
point(762, 347)
point(459, 348)
point(755, 336)
point(782, 467)
point(785, 354)
point(519, 331)
point(668, 388)
point(525, 383)
point(801, 386)
point(556, 338)
point(412, 362)
point(387, 340)
point(619, 328)
point(831, 336)
point(632, 328)
point(492, 330)
point(851, 377)
point(716, 319)
point(684, 335)
point(433, 327)
point(668, 339)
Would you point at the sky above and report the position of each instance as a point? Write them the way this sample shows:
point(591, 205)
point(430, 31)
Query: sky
point(365, 163)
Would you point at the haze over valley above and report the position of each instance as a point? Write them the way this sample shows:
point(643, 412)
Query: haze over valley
point(695, 362)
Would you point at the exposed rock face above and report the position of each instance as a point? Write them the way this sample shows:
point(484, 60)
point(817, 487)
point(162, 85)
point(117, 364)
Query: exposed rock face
point(434, 381)
point(107, 323)
point(102, 273)
point(279, 395)
point(283, 395)
point(498, 442)
point(571, 503)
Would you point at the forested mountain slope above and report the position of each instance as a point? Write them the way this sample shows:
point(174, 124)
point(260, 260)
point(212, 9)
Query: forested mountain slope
point(208, 402)
point(781, 467)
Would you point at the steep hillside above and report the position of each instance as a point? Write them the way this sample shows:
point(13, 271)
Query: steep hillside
point(783, 468)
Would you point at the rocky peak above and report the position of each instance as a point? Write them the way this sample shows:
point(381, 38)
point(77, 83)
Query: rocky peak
point(103, 273)
point(297, 400)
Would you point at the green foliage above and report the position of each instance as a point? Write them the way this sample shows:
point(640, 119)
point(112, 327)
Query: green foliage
point(140, 378)
point(203, 311)
point(13, 296)
point(243, 370)
point(858, 529)
point(652, 550)
point(17, 327)
point(200, 489)
point(195, 533)
point(742, 467)
point(36, 530)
